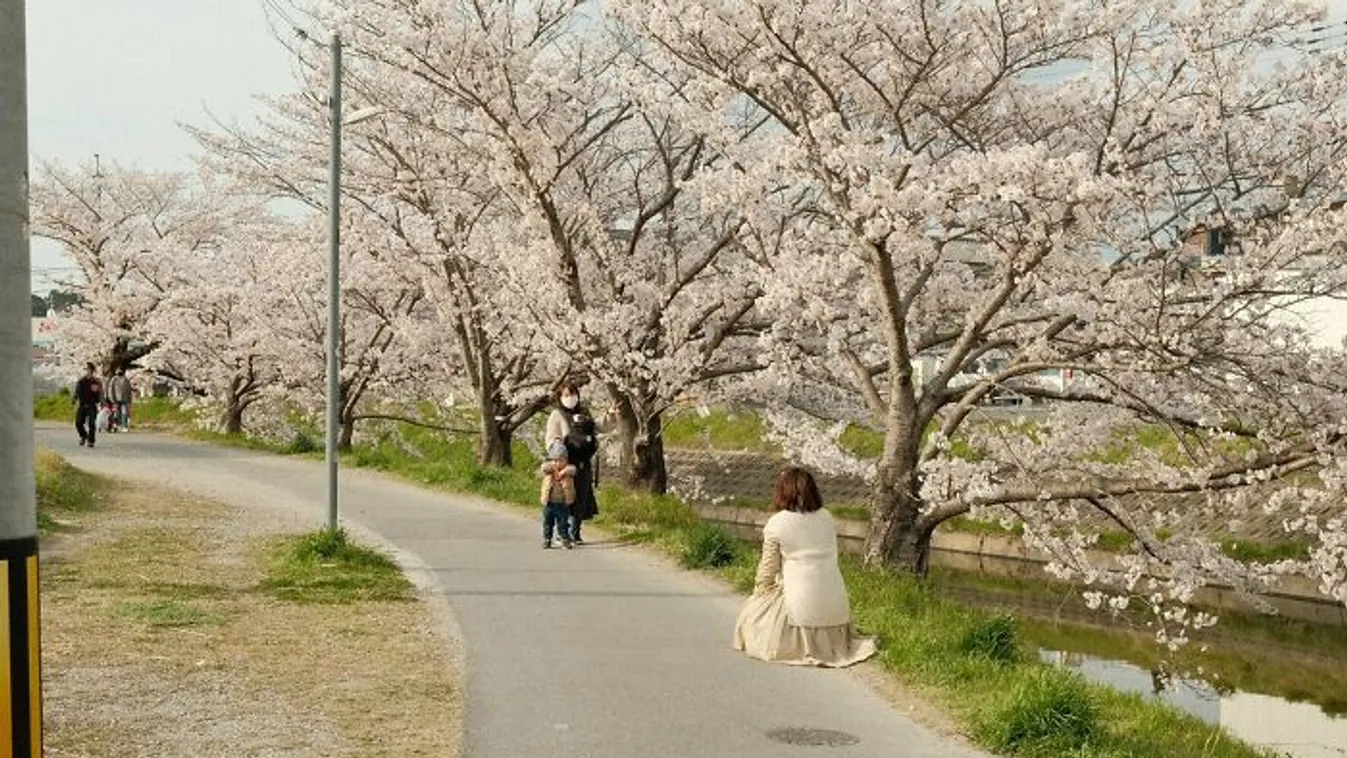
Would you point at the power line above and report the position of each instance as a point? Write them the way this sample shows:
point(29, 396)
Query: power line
point(275, 7)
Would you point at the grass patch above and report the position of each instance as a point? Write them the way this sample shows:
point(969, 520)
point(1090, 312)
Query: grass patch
point(184, 591)
point(326, 567)
point(161, 412)
point(1049, 713)
point(720, 429)
point(167, 614)
point(992, 638)
point(862, 442)
point(62, 490)
point(1251, 551)
point(56, 406)
point(232, 440)
point(708, 546)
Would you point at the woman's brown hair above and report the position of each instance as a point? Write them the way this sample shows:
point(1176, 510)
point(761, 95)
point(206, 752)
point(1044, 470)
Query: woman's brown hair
point(565, 386)
point(796, 491)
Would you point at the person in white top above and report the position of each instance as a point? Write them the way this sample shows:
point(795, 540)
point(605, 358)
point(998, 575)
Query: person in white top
point(799, 612)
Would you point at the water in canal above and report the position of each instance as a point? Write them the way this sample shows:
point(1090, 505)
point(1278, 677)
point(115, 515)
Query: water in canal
point(1302, 730)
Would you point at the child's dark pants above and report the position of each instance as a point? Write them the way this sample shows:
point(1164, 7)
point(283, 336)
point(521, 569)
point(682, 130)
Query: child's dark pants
point(556, 516)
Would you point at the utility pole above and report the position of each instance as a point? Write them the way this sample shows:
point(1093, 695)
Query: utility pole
point(334, 285)
point(20, 673)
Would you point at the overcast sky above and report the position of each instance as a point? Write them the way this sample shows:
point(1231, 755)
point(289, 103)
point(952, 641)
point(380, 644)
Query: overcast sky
point(117, 77)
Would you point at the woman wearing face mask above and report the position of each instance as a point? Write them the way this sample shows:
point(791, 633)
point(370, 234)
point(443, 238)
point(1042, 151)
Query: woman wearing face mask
point(571, 423)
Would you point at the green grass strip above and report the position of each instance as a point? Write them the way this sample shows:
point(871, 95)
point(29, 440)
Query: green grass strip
point(326, 567)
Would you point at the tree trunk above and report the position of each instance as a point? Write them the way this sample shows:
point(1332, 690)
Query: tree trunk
point(642, 456)
point(494, 437)
point(898, 535)
point(350, 392)
point(494, 441)
point(347, 433)
point(232, 420)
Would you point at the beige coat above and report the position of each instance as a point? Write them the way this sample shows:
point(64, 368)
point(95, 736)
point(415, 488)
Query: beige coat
point(798, 613)
point(558, 426)
point(558, 486)
point(803, 548)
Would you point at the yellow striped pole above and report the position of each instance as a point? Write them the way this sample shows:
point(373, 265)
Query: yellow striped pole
point(20, 669)
point(20, 658)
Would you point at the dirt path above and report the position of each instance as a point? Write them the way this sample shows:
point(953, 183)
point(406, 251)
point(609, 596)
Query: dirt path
point(158, 642)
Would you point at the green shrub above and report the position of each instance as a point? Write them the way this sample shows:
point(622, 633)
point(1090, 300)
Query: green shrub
point(993, 638)
point(57, 406)
point(708, 546)
point(375, 457)
point(302, 444)
point(1048, 713)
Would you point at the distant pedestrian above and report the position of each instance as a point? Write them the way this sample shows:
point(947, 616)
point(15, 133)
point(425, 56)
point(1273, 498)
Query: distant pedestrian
point(572, 424)
point(119, 392)
point(557, 496)
point(799, 613)
point(88, 393)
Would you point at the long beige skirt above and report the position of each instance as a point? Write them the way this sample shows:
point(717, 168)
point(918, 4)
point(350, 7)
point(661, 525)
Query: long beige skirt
point(764, 632)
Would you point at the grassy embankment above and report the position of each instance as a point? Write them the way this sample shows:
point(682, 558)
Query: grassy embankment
point(976, 666)
point(745, 432)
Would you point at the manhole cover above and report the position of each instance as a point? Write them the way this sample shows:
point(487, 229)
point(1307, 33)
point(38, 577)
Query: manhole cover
point(813, 737)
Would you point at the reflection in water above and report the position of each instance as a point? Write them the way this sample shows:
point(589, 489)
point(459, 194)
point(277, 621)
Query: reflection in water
point(1301, 729)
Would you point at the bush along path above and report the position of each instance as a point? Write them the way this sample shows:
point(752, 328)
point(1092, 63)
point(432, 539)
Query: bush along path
point(176, 626)
point(968, 663)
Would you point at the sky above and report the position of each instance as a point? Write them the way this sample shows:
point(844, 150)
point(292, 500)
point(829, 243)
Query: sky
point(117, 77)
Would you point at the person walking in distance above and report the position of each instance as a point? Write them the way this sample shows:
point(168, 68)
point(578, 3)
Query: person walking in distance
point(88, 391)
point(119, 392)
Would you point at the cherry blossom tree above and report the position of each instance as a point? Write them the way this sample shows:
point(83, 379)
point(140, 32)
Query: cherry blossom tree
point(435, 235)
point(620, 262)
point(210, 328)
point(999, 197)
point(131, 234)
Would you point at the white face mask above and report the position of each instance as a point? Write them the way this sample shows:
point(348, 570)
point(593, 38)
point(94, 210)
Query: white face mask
point(569, 401)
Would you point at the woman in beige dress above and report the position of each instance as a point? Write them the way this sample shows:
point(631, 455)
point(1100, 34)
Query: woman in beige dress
point(798, 613)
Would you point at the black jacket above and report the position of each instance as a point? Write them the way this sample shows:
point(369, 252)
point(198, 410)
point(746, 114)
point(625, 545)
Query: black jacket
point(583, 440)
point(88, 390)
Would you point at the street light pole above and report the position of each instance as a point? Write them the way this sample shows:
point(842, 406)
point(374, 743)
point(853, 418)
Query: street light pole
point(20, 673)
point(334, 286)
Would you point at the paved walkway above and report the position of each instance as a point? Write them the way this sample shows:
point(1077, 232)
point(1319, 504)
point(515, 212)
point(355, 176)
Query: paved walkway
point(600, 652)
